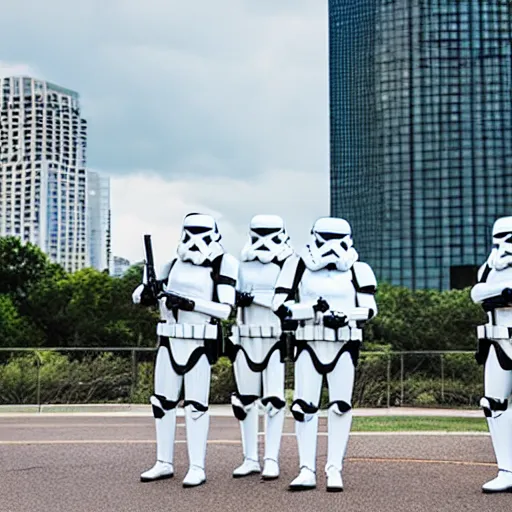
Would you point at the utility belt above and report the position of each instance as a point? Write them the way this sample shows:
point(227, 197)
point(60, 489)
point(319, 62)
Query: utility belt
point(188, 331)
point(321, 333)
point(494, 332)
point(255, 331)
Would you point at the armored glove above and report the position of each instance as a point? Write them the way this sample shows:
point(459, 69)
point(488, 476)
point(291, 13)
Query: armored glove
point(173, 301)
point(321, 306)
point(335, 320)
point(244, 299)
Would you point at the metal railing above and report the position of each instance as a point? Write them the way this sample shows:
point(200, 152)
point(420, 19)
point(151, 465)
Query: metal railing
point(74, 375)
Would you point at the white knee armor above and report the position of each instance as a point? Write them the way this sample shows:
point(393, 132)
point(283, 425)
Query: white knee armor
point(195, 291)
point(326, 295)
point(256, 348)
point(494, 292)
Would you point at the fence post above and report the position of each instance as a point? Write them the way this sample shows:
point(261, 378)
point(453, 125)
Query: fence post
point(442, 378)
point(401, 379)
point(389, 381)
point(134, 374)
point(38, 388)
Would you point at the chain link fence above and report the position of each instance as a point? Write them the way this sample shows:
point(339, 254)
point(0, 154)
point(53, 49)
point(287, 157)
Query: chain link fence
point(125, 375)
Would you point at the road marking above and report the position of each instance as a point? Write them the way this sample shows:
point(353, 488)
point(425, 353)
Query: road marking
point(82, 425)
point(107, 441)
point(421, 461)
point(235, 442)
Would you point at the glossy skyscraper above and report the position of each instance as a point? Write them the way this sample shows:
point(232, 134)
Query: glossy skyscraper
point(421, 133)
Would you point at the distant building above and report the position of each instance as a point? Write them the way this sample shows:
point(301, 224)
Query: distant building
point(43, 141)
point(98, 228)
point(119, 266)
point(421, 133)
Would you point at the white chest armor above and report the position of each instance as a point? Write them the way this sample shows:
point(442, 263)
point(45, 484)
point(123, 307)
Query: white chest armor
point(259, 280)
point(501, 318)
point(337, 289)
point(192, 281)
point(332, 285)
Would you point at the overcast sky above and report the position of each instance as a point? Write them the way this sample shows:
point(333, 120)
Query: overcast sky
point(212, 106)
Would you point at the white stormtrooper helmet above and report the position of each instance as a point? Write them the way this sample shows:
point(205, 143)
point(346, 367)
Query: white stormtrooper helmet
point(200, 239)
point(501, 254)
point(331, 244)
point(268, 240)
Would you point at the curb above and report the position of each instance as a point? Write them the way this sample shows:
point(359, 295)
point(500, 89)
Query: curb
point(219, 410)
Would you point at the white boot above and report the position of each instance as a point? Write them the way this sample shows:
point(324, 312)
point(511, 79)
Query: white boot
point(274, 431)
point(249, 467)
point(500, 428)
point(502, 483)
point(306, 432)
point(194, 477)
point(270, 470)
point(249, 428)
point(197, 424)
point(338, 426)
point(304, 482)
point(334, 481)
point(165, 433)
point(160, 471)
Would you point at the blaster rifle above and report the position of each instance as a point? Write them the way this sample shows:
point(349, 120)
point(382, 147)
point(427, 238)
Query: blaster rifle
point(152, 283)
point(176, 301)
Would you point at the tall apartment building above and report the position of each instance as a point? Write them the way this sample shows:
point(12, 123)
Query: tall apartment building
point(98, 221)
point(43, 186)
point(421, 133)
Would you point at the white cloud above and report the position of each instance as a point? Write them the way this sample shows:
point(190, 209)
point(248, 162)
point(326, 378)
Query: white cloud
point(242, 82)
point(146, 203)
point(18, 69)
point(226, 101)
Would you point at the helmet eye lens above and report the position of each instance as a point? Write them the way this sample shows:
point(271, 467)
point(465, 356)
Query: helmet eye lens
point(332, 236)
point(265, 231)
point(196, 230)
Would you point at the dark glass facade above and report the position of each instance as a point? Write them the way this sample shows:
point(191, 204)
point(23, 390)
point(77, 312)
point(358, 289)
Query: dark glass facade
point(421, 133)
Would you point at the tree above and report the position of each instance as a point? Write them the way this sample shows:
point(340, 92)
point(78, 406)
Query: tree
point(22, 265)
point(16, 330)
point(425, 319)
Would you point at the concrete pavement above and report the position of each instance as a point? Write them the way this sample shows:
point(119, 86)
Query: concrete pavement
point(92, 463)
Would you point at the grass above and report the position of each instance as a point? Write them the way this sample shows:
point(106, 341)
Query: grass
point(418, 423)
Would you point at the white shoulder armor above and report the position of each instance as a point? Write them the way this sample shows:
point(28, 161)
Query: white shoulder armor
point(481, 271)
point(364, 278)
point(165, 270)
point(285, 281)
point(228, 275)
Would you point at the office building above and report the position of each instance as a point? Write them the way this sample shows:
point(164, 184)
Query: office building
point(98, 221)
point(43, 196)
point(421, 133)
point(119, 266)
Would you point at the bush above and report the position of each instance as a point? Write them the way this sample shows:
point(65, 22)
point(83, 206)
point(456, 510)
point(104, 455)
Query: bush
point(108, 378)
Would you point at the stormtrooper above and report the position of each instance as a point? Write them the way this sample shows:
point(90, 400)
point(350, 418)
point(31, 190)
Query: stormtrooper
point(256, 347)
point(494, 292)
point(326, 295)
point(195, 291)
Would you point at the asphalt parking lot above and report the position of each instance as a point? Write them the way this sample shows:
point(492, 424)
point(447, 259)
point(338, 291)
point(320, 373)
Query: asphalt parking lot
point(92, 463)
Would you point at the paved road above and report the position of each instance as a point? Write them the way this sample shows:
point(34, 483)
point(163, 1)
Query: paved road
point(92, 464)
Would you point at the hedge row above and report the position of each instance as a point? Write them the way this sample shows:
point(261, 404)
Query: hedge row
point(109, 378)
